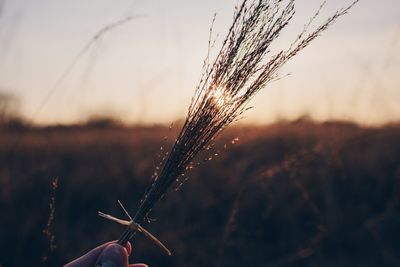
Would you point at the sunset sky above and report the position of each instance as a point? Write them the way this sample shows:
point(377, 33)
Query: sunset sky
point(145, 71)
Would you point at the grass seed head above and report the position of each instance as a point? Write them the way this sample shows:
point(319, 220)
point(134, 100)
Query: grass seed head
point(243, 66)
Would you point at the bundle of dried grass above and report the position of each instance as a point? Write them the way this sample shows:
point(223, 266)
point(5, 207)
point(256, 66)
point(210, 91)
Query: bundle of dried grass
point(243, 66)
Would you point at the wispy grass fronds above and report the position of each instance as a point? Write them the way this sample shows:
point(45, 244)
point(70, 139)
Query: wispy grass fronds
point(244, 65)
point(49, 225)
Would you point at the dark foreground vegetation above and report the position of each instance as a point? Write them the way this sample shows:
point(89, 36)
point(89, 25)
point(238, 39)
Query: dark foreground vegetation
point(290, 194)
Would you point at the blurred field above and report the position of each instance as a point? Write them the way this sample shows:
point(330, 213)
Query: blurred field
point(290, 194)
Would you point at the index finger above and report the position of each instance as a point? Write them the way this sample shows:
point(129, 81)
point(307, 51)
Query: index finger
point(90, 258)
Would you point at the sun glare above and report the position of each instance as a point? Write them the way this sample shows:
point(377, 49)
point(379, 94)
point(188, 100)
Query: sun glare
point(220, 97)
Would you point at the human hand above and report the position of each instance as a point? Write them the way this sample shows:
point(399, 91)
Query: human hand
point(107, 255)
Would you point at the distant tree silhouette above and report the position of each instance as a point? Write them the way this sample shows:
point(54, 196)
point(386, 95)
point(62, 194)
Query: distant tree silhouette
point(9, 116)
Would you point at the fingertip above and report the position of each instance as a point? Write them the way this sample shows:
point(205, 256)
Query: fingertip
point(115, 254)
point(89, 258)
point(128, 248)
point(138, 265)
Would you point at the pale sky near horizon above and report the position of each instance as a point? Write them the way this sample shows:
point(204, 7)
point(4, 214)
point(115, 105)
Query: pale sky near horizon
point(146, 70)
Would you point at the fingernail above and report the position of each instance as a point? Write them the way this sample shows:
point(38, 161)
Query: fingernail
point(113, 255)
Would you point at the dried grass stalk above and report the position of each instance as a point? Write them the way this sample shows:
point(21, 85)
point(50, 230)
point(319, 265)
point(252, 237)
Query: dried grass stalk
point(244, 65)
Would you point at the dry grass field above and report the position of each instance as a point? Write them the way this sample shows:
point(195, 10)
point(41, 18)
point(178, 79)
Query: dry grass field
point(290, 194)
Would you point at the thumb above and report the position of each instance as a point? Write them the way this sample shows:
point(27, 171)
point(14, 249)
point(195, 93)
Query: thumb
point(113, 255)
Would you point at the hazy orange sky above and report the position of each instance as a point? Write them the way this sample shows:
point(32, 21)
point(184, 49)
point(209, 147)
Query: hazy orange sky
point(146, 70)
